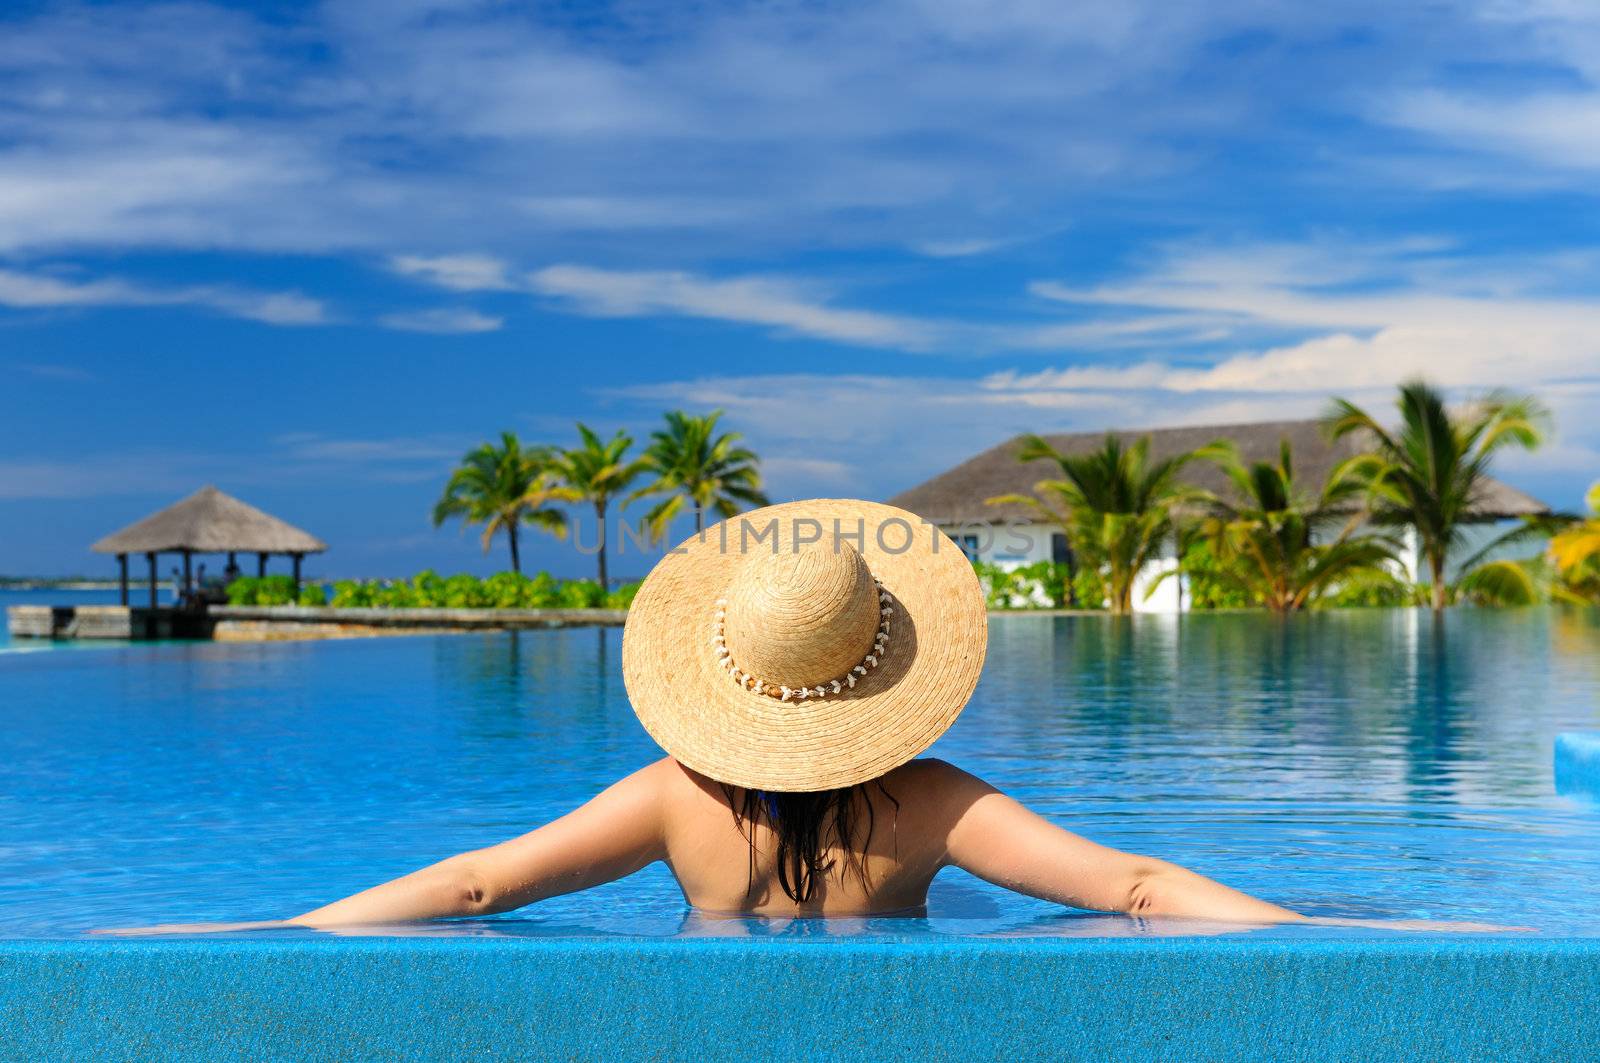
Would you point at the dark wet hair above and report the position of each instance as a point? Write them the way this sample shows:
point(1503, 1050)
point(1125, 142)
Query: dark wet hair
point(805, 824)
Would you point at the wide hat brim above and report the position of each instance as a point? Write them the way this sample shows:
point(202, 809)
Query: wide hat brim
point(697, 713)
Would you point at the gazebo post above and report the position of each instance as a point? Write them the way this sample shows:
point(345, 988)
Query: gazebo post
point(188, 580)
point(122, 576)
point(297, 558)
point(150, 556)
point(261, 565)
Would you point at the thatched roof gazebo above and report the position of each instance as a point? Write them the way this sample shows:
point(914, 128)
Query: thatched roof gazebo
point(208, 522)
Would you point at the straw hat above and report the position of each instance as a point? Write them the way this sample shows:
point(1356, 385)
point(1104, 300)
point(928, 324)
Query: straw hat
point(805, 646)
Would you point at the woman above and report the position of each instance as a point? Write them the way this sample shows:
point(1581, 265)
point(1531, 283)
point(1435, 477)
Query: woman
point(793, 664)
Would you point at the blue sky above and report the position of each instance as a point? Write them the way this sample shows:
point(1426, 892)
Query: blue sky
point(311, 253)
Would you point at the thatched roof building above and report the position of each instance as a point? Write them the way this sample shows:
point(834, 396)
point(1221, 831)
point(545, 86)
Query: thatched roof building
point(957, 497)
point(207, 522)
point(210, 522)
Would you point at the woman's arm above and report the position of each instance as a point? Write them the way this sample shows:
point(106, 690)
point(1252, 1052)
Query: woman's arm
point(1000, 841)
point(615, 834)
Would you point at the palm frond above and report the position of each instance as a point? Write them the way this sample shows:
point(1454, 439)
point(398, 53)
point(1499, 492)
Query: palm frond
point(1500, 583)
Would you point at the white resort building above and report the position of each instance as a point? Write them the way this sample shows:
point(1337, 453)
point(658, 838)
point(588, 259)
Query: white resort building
point(1011, 536)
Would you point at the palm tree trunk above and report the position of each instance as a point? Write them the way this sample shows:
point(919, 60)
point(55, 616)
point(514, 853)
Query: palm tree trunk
point(1121, 593)
point(1436, 565)
point(600, 517)
point(699, 517)
point(516, 561)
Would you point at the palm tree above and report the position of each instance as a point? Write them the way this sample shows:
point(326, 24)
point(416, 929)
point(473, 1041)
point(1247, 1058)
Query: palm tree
point(1576, 553)
point(595, 472)
point(502, 487)
point(1268, 541)
point(1114, 504)
point(1427, 474)
point(694, 464)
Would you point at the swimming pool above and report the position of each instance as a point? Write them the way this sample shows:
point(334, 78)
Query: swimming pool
point(1375, 763)
point(1365, 763)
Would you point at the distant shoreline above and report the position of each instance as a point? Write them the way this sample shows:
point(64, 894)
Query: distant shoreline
point(59, 584)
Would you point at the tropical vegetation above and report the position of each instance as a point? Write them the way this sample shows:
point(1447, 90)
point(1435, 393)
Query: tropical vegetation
point(1039, 585)
point(1279, 544)
point(1425, 475)
point(693, 465)
point(503, 487)
point(595, 472)
point(274, 590)
point(1272, 541)
point(1116, 505)
point(1575, 553)
point(507, 487)
point(429, 590)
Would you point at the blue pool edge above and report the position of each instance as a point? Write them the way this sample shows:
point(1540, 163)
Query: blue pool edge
point(1424, 996)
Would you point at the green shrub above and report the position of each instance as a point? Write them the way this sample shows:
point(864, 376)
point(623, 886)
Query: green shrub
point(1211, 583)
point(503, 590)
point(242, 591)
point(622, 597)
point(542, 591)
point(580, 594)
point(1088, 589)
point(427, 591)
point(1039, 585)
point(313, 594)
point(261, 590)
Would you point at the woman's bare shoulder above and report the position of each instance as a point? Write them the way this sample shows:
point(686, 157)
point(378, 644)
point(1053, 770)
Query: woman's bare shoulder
point(679, 785)
point(929, 780)
point(931, 770)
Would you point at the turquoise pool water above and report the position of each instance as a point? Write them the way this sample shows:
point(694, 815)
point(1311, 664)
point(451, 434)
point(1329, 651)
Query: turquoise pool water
point(1368, 763)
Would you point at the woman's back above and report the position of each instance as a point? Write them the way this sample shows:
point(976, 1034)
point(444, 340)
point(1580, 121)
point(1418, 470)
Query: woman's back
point(729, 863)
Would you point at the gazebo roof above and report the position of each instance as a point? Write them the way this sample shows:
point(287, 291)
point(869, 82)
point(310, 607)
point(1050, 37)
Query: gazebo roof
point(210, 522)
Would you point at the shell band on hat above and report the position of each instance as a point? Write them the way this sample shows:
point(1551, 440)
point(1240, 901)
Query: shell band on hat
point(772, 689)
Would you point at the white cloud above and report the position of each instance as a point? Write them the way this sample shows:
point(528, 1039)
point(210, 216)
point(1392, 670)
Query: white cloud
point(399, 459)
point(852, 436)
point(1332, 317)
point(316, 447)
point(459, 273)
point(1555, 129)
point(1540, 126)
point(810, 471)
point(779, 303)
point(298, 458)
point(1347, 316)
point(418, 127)
point(43, 291)
point(958, 248)
point(54, 371)
point(442, 320)
point(108, 475)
